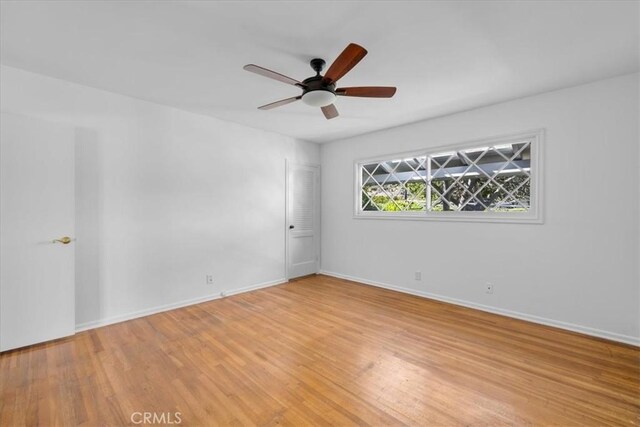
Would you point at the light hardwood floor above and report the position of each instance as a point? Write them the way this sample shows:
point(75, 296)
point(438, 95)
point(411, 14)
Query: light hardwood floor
point(323, 351)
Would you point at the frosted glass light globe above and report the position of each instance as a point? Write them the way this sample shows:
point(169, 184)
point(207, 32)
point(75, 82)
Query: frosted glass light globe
point(319, 98)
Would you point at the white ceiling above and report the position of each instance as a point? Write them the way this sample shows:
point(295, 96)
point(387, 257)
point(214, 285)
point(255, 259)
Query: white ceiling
point(443, 56)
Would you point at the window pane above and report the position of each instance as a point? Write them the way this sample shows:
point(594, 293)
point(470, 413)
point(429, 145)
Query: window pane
point(394, 185)
point(490, 178)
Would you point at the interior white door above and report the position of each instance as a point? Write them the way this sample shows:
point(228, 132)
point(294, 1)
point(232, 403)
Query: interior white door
point(37, 205)
point(303, 232)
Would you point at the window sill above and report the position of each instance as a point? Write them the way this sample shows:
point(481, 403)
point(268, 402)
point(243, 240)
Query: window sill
point(454, 217)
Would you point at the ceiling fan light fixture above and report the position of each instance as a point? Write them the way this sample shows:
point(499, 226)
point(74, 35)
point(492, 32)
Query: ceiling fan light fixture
point(319, 98)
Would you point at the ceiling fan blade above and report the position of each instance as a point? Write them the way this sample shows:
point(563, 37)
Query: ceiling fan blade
point(272, 74)
point(367, 91)
point(330, 111)
point(348, 59)
point(279, 103)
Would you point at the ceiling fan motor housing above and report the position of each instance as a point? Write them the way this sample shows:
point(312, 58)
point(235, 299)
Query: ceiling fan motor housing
point(316, 92)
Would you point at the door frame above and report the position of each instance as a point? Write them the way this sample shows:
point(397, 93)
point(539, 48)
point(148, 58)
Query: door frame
point(287, 167)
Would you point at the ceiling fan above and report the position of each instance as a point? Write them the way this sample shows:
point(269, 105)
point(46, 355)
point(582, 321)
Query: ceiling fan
point(320, 91)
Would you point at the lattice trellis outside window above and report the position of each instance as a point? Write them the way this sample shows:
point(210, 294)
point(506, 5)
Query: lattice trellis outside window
point(394, 185)
point(496, 179)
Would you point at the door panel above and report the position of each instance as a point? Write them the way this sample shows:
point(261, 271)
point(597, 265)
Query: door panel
point(37, 205)
point(304, 219)
point(303, 249)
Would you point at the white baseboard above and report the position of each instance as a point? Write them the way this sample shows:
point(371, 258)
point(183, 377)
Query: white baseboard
point(166, 307)
point(627, 339)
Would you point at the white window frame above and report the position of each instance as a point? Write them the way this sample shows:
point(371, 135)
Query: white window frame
point(533, 216)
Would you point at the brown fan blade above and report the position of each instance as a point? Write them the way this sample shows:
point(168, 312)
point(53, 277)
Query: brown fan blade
point(367, 91)
point(279, 103)
point(330, 111)
point(344, 62)
point(272, 74)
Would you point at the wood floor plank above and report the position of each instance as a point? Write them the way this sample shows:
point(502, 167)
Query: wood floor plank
point(324, 351)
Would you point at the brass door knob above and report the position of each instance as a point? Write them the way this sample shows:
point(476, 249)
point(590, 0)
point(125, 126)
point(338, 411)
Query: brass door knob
point(64, 240)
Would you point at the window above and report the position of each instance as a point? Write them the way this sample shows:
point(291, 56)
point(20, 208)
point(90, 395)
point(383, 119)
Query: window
point(495, 180)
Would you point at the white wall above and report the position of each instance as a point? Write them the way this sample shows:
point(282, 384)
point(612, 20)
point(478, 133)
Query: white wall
point(578, 270)
point(164, 197)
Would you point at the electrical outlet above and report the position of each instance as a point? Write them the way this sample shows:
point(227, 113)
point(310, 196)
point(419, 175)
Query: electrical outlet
point(209, 279)
point(417, 275)
point(489, 288)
